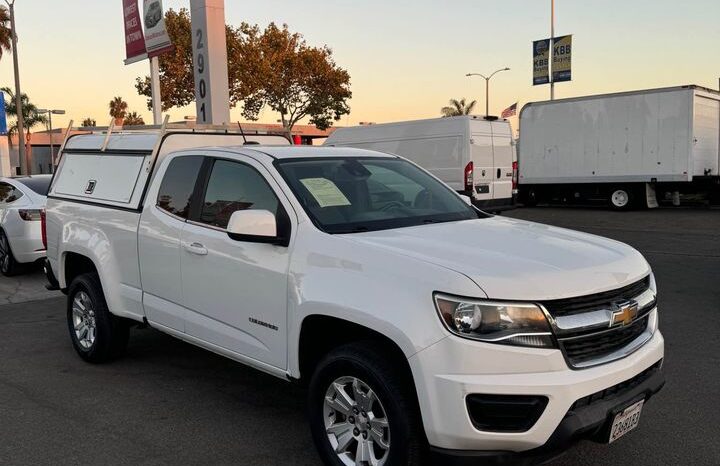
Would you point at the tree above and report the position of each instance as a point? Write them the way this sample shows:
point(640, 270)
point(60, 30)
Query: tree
point(5, 31)
point(31, 118)
point(292, 78)
point(118, 110)
point(273, 68)
point(89, 122)
point(177, 81)
point(458, 108)
point(133, 119)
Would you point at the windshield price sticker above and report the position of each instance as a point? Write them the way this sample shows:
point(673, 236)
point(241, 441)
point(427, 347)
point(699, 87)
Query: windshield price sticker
point(325, 192)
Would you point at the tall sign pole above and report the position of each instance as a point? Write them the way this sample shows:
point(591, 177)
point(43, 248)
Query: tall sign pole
point(18, 93)
point(155, 90)
point(147, 38)
point(552, 45)
point(212, 93)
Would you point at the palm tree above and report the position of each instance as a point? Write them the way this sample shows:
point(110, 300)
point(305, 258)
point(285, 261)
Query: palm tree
point(89, 122)
point(5, 31)
point(133, 119)
point(458, 108)
point(31, 118)
point(118, 110)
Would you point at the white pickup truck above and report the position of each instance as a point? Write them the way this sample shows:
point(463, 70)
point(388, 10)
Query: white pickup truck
point(418, 323)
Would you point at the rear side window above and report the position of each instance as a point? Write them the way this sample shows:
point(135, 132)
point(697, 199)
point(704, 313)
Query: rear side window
point(8, 193)
point(178, 185)
point(234, 186)
point(38, 184)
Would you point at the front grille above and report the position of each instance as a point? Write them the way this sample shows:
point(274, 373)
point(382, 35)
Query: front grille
point(593, 346)
point(580, 304)
point(583, 344)
point(619, 389)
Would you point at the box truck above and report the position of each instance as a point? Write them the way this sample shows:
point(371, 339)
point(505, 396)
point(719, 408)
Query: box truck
point(472, 154)
point(624, 149)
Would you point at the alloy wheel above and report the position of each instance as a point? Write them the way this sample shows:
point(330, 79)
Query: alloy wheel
point(356, 423)
point(83, 319)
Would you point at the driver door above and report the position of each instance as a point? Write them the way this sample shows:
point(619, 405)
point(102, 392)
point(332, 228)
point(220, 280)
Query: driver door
point(235, 292)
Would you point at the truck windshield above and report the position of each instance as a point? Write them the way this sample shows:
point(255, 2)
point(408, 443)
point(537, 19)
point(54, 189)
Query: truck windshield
point(352, 194)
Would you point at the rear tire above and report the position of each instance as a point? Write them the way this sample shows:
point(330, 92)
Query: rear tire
point(621, 198)
point(8, 265)
point(360, 404)
point(530, 198)
point(96, 334)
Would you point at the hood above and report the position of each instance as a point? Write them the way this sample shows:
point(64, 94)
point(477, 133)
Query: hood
point(515, 259)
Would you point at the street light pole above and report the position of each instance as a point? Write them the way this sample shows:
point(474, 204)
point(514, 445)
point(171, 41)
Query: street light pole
point(18, 94)
point(487, 86)
point(552, 48)
point(50, 113)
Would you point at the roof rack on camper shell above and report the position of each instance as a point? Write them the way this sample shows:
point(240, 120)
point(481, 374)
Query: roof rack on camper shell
point(133, 156)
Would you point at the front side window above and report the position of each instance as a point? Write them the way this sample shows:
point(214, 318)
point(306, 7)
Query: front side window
point(178, 185)
point(353, 194)
point(234, 186)
point(8, 193)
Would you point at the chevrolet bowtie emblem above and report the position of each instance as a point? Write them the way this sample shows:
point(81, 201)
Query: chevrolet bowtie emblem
point(623, 313)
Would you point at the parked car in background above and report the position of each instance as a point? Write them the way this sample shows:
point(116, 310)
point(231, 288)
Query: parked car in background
point(473, 155)
point(22, 203)
point(415, 319)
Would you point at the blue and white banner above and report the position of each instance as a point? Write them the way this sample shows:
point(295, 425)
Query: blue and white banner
point(3, 116)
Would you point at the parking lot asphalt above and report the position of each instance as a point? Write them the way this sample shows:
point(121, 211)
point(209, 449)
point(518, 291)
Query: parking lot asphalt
point(168, 402)
point(30, 286)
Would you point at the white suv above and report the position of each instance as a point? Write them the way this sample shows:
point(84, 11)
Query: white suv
point(416, 320)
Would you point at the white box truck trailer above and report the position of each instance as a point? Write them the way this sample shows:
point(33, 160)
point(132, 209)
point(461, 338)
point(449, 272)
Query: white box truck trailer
point(471, 154)
point(621, 148)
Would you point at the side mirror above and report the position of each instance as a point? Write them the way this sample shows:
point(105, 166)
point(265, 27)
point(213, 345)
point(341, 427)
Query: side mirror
point(258, 226)
point(467, 199)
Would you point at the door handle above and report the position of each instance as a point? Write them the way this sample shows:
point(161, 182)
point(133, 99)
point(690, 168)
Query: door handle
point(499, 173)
point(196, 248)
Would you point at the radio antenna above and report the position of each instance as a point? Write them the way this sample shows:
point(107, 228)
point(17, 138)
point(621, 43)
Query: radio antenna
point(242, 133)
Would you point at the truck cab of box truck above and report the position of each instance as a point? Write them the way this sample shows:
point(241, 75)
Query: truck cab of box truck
point(419, 324)
point(473, 155)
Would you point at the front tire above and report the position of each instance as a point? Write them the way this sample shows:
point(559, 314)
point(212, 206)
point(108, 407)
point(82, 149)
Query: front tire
point(8, 265)
point(96, 334)
point(363, 411)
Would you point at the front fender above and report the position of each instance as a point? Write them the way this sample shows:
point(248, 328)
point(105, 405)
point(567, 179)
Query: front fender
point(385, 292)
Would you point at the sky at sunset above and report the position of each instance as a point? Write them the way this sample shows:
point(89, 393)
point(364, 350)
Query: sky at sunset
point(405, 58)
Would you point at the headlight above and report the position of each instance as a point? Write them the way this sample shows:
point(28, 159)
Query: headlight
point(519, 324)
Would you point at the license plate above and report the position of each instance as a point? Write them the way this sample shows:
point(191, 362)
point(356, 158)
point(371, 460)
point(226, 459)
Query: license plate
point(626, 421)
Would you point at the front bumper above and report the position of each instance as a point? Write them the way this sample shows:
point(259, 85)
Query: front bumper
point(447, 372)
point(495, 205)
point(589, 422)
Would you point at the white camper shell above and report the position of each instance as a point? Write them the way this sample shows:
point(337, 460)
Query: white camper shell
point(620, 147)
point(471, 154)
point(114, 169)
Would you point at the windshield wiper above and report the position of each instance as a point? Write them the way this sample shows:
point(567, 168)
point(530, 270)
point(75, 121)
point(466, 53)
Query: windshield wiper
point(357, 229)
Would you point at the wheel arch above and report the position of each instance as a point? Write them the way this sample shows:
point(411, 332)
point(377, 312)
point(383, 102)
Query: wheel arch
point(73, 265)
point(321, 333)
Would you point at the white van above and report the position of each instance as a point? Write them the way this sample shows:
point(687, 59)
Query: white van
point(471, 154)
